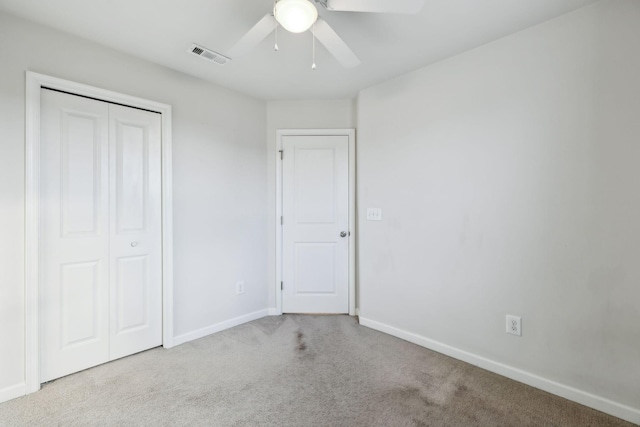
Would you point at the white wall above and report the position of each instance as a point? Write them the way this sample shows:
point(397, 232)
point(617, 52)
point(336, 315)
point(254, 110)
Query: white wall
point(220, 189)
point(332, 114)
point(508, 178)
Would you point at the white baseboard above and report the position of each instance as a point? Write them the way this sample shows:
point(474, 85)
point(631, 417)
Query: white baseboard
point(584, 398)
point(12, 392)
point(190, 336)
point(274, 312)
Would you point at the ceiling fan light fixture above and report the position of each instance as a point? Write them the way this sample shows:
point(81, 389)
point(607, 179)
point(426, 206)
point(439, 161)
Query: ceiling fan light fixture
point(295, 16)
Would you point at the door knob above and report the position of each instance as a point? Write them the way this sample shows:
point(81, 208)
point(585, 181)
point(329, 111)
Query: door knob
point(134, 244)
point(343, 234)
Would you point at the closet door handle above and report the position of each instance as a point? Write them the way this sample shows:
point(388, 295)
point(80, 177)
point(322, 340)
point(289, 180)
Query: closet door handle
point(134, 244)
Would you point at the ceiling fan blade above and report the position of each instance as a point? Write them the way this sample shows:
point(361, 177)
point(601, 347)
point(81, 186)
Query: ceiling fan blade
point(334, 44)
point(254, 36)
point(410, 7)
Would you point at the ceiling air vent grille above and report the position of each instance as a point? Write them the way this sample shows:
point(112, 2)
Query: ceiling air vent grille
point(208, 54)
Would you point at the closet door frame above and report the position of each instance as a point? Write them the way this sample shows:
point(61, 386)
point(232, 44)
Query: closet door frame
point(34, 84)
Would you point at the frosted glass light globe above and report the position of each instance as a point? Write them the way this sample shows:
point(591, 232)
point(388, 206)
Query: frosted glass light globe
point(295, 16)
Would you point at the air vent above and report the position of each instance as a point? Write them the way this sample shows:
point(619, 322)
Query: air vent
point(208, 54)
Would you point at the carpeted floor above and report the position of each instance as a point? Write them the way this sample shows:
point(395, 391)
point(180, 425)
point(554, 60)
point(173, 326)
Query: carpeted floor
point(294, 371)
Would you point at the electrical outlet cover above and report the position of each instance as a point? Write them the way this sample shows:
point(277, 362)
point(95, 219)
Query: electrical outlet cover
point(239, 288)
point(514, 325)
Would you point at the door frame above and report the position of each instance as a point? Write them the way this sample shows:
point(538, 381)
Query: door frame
point(35, 82)
point(351, 134)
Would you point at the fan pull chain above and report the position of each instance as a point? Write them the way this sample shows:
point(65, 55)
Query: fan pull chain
point(313, 37)
point(275, 47)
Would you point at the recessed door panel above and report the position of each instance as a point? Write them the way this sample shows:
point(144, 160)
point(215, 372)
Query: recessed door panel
point(132, 293)
point(132, 174)
point(315, 233)
point(80, 322)
point(80, 173)
point(315, 187)
point(315, 268)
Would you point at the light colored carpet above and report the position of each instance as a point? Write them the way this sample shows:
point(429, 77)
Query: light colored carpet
point(294, 371)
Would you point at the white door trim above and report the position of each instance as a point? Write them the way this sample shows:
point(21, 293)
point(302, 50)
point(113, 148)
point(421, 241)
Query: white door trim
point(351, 134)
point(34, 83)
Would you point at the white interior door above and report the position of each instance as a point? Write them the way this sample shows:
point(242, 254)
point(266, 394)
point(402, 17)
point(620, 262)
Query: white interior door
point(315, 230)
point(74, 303)
point(135, 231)
point(101, 234)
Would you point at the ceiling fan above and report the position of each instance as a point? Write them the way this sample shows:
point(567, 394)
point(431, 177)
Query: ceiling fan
point(298, 16)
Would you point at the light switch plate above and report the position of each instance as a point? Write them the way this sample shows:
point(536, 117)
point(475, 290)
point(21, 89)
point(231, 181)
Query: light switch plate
point(374, 214)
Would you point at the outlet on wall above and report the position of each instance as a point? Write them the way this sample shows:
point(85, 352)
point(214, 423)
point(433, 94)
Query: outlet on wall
point(514, 325)
point(239, 288)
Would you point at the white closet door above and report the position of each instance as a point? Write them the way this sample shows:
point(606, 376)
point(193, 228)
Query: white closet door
point(74, 305)
point(101, 267)
point(136, 239)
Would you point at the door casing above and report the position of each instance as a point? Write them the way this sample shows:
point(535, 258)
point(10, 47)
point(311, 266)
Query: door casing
point(351, 134)
point(34, 84)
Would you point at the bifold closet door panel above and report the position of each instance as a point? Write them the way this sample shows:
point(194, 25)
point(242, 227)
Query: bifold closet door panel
point(135, 230)
point(74, 211)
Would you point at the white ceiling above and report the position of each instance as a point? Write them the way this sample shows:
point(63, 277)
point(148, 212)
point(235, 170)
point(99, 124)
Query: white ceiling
point(161, 31)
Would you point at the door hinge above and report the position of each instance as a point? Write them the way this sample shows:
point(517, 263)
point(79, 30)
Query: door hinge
point(281, 220)
point(281, 286)
point(281, 154)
